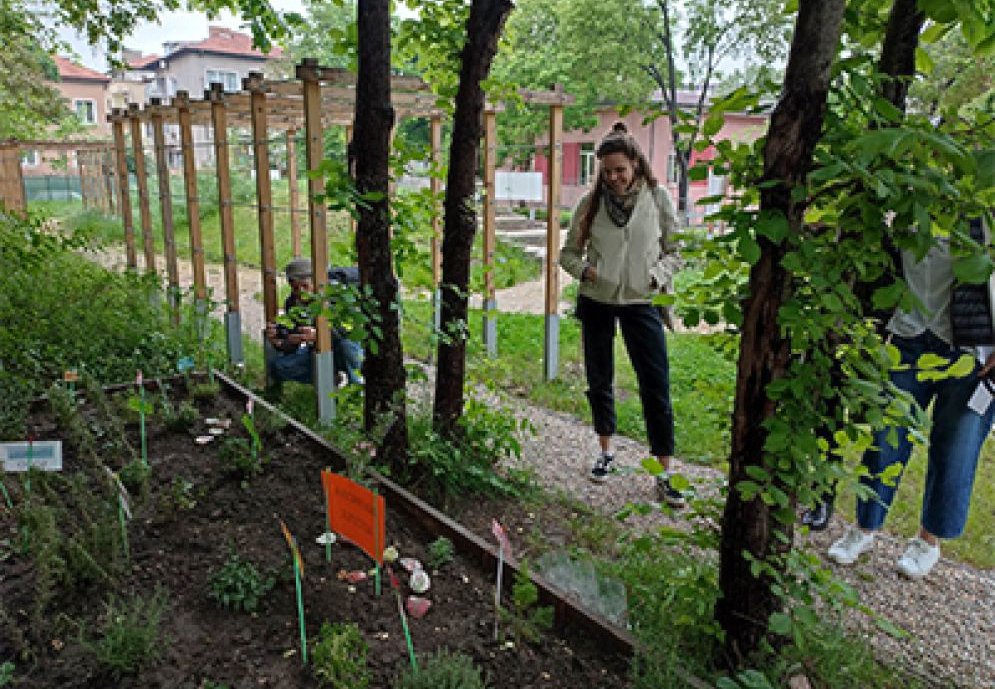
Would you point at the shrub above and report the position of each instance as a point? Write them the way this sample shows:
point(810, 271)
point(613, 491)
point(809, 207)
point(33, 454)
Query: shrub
point(130, 638)
point(440, 552)
point(443, 670)
point(238, 585)
point(339, 657)
point(237, 458)
point(135, 476)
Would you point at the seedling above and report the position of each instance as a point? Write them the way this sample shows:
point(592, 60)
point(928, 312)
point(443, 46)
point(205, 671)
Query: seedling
point(131, 636)
point(440, 552)
point(527, 618)
point(237, 457)
point(238, 585)
point(340, 657)
point(443, 670)
point(6, 674)
point(177, 417)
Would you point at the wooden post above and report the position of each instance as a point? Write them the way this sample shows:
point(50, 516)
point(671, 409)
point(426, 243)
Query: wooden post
point(435, 185)
point(11, 179)
point(324, 369)
point(294, 196)
point(552, 343)
point(143, 188)
point(81, 171)
point(219, 124)
point(124, 191)
point(264, 191)
point(166, 208)
point(490, 189)
point(107, 169)
point(348, 140)
point(182, 102)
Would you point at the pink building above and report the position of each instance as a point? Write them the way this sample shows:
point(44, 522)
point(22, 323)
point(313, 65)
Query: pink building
point(579, 164)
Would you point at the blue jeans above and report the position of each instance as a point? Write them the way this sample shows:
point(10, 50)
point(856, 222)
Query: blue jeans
point(642, 331)
point(954, 444)
point(296, 366)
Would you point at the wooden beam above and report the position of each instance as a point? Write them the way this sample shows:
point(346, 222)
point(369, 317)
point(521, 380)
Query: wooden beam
point(124, 190)
point(165, 208)
point(11, 180)
point(293, 195)
point(553, 240)
point(264, 192)
point(219, 125)
point(138, 152)
point(435, 186)
point(489, 238)
point(315, 154)
point(182, 102)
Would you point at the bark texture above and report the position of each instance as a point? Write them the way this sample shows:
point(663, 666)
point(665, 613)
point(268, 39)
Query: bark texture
point(383, 369)
point(484, 26)
point(747, 602)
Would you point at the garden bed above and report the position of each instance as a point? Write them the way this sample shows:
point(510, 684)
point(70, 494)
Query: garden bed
point(193, 513)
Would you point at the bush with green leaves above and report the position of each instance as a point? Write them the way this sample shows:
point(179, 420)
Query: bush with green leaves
point(443, 670)
point(134, 476)
point(440, 552)
point(238, 458)
point(238, 584)
point(339, 657)
point(130, 638)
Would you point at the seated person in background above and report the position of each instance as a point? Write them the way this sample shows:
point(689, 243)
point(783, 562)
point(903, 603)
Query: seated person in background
point(296, 342)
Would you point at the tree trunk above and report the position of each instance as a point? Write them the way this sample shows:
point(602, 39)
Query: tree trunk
point(747, 601)
point(898, 53)
point(384, 365)
point(460, 219)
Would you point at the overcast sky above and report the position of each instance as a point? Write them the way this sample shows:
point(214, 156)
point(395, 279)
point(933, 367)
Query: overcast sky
point(173, 26)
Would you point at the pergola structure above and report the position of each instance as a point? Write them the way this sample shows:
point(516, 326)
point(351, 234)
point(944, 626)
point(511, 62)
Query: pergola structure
point(319, 97)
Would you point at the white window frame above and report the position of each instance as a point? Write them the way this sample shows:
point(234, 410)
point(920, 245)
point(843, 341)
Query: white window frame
point(586, 167)
point(30, 158)
point(93, 110)
point(673, 171)
point(221, 75)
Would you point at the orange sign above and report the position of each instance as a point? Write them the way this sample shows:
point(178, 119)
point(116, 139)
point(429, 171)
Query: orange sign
point(356, 513)
point(70, 376)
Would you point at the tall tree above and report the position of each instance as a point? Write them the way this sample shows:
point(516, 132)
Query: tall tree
point(384, 405)
point(483, 27)
point(750, 530)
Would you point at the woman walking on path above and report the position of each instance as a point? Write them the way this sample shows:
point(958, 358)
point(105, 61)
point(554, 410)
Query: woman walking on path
point(620, 248)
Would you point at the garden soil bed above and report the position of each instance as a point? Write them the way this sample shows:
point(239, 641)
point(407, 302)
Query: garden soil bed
point(178, 549)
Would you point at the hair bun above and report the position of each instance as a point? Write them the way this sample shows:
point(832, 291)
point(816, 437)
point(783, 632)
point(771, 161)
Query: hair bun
point(620, 128)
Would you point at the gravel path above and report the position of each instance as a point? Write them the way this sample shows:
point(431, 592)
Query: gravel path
point(950, 616)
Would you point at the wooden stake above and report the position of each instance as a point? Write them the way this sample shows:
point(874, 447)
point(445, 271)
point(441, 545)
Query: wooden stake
point(293, 197)
point(219, 122)
point(182, 101)
point(553, 240)
point(124, 191)
point(264, 191)
point(166, 208)
point(143, 188)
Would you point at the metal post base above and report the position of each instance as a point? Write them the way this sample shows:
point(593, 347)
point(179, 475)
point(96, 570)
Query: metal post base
point(233, 338)
point(490, 327)
point(551, 350)
point(324, 386)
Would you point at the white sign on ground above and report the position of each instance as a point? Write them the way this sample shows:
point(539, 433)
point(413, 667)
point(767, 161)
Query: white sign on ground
point(518, 186)
point(45, 455)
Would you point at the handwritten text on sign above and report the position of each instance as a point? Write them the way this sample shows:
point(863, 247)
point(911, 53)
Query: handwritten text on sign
point(356, 513)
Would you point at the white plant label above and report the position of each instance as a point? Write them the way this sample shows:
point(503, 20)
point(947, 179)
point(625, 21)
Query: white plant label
point(45, 455)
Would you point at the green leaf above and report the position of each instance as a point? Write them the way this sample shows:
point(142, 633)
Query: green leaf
point(713, 123)
point(679, 482)
point(887, 110)
point(890, 628)
point(934, 33)
point(929, 361)
point(985, 176)
point(889, 296)
point(773, 225)
point(941, 11)
point(652, 465)
point(964, 366)
point(749, 250)
point(975, 269)
point(780, 623)
point(924, 63)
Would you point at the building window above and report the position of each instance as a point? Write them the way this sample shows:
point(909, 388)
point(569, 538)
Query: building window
point(673, 170)
point(224, 77)
point(86, 110)
point(586, 164)
point(30, 159)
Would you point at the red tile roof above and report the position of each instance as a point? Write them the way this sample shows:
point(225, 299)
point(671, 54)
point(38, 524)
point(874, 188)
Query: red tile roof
point(228, 42)
point(144, 61)
point(70, 70)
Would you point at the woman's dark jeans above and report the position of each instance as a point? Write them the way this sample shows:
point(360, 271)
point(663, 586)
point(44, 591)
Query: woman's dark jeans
point(642, 331)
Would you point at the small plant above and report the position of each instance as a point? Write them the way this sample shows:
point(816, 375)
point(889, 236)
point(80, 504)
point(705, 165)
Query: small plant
point(237, 457)
point(339, 657)
point(6, 674)
point(206, 390)
point(527, 618)
point(182, 496)
point(238, 585)
point(176, 417)
point(440, 552)
point(134, 476)
point(268, 422)
point(443, 670)
point(130, 637)
point(210, 684)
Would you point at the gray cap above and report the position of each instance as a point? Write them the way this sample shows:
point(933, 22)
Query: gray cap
point(299, 269)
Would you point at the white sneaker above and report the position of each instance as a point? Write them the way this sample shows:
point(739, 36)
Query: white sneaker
point(852, 545)
point(918, 559)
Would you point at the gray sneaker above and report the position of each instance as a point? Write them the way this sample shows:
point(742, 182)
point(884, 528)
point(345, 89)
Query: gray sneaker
point(668, 494)
point(602, 467)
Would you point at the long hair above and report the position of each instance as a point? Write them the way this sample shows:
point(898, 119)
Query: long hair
point(618, 140)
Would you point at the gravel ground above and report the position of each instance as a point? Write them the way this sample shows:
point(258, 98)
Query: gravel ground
point(950, 616)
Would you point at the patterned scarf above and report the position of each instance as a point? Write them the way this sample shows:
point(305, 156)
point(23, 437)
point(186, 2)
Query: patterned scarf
point(619, 208)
